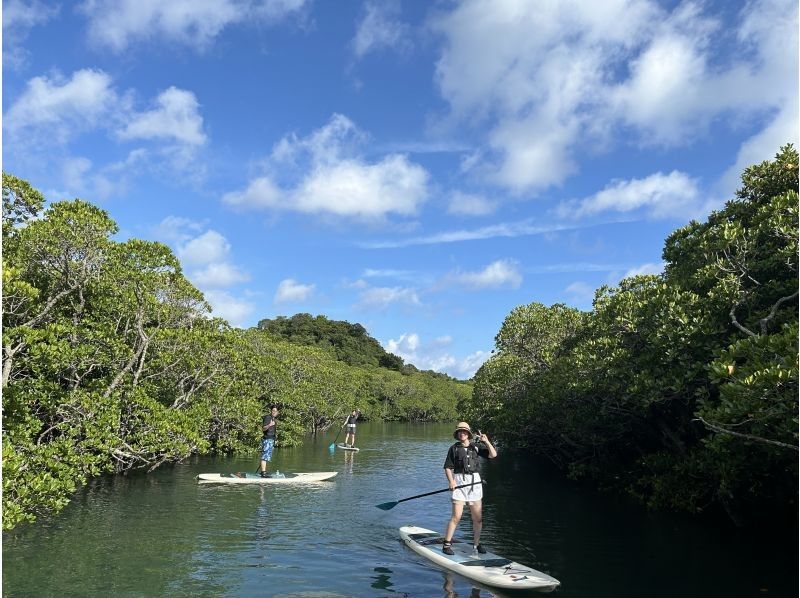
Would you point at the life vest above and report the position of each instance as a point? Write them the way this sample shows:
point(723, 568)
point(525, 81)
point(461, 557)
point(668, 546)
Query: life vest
point(465, 459)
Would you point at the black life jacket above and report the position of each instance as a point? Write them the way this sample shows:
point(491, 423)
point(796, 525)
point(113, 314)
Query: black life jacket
point(465, 459)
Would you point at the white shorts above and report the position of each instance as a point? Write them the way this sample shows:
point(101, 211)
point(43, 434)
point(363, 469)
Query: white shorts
point(470, 493)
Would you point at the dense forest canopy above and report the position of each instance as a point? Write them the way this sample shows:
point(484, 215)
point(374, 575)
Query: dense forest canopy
point(111, 362)
point(679, 388)
point(348, 342)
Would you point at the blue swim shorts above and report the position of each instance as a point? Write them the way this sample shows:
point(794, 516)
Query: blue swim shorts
point(266, 449)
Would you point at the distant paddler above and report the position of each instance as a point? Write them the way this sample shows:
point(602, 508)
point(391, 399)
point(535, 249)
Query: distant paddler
point(350, 426)
point(268, 429)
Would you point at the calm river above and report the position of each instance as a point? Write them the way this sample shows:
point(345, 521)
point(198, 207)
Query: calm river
point(163, 534)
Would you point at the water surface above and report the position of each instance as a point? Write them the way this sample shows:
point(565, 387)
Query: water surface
point(163, 534)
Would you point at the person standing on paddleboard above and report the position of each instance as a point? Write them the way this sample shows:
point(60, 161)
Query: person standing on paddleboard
point(350, 423)
point(268, 425)
point(461, 468)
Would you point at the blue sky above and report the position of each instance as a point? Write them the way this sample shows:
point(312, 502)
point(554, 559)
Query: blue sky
point(419, 167)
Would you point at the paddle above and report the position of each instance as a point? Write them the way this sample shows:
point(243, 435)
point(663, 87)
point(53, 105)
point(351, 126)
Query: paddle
point(333, 444)
point(391, 505)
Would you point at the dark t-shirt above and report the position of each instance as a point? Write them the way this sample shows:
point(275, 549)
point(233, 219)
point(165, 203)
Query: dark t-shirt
point(269, 433)
point(351, 420)
point(465, 459)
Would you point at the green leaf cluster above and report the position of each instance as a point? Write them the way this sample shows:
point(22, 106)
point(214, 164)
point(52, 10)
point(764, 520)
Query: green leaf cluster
point(679, 388)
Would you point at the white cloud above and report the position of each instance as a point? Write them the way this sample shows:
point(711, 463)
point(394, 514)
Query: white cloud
point(649, 268)
point(782, 129)
point(205, 249)
point(498, 274)
point(407, 344)
point(58, 108)
point(465, 204)
point(116, 24)
point(666, 95)
point(432, 146)
point(81, 181)
point(323, 174)
point(574, 267)
point(383, 297)
point(275, 10)
point(224, 305)
point(52, 111)
point(205, 254)
point(356, 284)
point(176, 230)
point(19, 15)
point(353, 188)
point(379, 28)
point(176, 118)
point(220, 274)
point(260, 193)
point(536, 73)
point(434, 356)
point(505, 229)
point(580, 292)
point(673, 195)
point(19, 18)
point(466, 367)
point(371, 272)
point(291, 291)
point(553, 80)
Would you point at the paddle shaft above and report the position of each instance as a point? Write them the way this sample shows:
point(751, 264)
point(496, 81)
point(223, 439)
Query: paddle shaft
point(333, 444)
point(436, 492)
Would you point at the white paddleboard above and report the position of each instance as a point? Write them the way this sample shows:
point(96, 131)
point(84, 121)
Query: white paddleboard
point(254, 478)
point(344, 447)
point(490, 569)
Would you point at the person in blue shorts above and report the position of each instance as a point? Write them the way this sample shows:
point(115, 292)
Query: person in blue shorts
point(268, 425)
point(461, 469)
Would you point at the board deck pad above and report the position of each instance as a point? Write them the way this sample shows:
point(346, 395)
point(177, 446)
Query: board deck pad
point(275, 478)
point(489, 569)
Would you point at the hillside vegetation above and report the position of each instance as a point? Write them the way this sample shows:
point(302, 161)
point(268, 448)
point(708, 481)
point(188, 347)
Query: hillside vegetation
point(348, 342)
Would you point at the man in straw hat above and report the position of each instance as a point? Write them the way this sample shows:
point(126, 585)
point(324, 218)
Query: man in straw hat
point(461, 468)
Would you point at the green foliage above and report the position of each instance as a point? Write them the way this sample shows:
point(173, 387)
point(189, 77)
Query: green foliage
point(680, 388)
point(348, 342)
point(111, 363)
point(21, 202)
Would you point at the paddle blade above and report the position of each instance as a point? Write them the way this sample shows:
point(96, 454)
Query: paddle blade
point(332, 447)
point(387, 505)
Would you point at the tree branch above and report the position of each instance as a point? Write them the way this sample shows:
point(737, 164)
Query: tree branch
point(722, 430)
point(764, 321)
point(735, 322)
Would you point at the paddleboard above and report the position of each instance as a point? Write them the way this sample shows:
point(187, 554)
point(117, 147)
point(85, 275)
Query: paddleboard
point(254, 478)
point(344, 447)
point(489, 569)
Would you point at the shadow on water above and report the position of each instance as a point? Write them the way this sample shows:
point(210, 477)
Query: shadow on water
point(163, 534)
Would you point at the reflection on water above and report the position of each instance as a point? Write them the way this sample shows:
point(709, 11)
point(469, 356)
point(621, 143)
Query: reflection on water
point(164, 534)
point(349, 457)
point(382, 579)
point(450, 592)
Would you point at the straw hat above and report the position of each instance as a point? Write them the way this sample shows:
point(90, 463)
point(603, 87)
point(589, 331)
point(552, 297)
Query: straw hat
point(462, 426)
